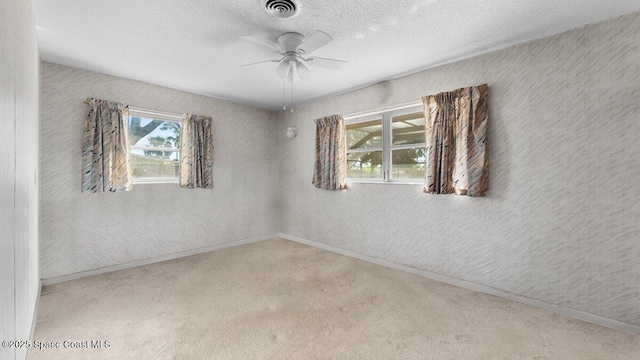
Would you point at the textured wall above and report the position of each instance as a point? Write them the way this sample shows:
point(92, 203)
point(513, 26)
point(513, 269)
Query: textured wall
point(19, 88)
point(561, 219)
point(88, 231)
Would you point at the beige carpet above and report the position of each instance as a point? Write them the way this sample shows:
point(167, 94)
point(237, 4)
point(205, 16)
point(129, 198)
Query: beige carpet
point(282, 300)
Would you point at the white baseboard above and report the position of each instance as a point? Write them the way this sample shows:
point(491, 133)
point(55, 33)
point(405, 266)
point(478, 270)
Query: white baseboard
point(577, 314)
point(128, 265)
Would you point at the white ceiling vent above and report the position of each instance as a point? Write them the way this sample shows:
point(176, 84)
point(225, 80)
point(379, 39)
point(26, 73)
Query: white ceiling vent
point(281, 8)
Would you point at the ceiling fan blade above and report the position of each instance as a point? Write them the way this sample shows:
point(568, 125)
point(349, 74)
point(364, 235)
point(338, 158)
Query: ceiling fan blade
point(270, 46)
point(260, 62)
point(283, 69)
point(329, 63)
point(314, 42)
point(303, 70)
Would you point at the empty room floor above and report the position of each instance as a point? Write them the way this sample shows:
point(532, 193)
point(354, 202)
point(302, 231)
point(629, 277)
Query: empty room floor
point(278, 299)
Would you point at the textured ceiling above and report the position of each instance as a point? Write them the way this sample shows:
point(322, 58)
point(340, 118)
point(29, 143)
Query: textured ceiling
point(194, 45)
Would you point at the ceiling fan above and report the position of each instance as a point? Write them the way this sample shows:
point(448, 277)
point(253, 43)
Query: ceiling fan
point(295, 49)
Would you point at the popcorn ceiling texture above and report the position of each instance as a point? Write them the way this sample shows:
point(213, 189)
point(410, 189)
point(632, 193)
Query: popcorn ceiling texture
point(561, 220)
point(89, 231)
point(195, 46)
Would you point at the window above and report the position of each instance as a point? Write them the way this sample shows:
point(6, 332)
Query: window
point(155, 146)
point(386, 146)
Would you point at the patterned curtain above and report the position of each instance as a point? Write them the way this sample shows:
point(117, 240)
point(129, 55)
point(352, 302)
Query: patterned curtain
point(456, 142)
point(106, 163)
point(196, 152)
point(330, 172)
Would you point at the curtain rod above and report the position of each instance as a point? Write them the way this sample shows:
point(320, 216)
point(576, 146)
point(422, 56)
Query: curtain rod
point(383, 109)
point(148, 111)
point(346, 117)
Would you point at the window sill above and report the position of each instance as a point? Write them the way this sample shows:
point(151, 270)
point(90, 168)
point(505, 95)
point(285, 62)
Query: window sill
point(155, 181)
point(353, 181)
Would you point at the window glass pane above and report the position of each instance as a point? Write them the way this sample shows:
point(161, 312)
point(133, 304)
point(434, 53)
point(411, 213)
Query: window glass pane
point(150, 133)
point(154, 164)
point(364, 165)
point(155, 133)
point(364, 135)
point(408, 129)
point(408, 163)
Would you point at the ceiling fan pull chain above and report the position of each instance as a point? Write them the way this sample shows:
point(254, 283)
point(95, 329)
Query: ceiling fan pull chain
point(284, 94)
point(292, 96)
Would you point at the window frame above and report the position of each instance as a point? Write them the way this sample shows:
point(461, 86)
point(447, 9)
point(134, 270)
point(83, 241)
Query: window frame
point(155, 115)
point(363, 119)
point(387, 148)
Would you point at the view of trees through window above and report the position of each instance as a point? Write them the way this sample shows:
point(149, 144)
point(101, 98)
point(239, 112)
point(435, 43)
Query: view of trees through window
point(155, 148)
point(403, 132)
point(407, 146)
point(364, 154)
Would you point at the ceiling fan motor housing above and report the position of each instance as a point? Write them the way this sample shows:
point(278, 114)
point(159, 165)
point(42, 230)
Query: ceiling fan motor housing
point(281, 8)
point(290, 41)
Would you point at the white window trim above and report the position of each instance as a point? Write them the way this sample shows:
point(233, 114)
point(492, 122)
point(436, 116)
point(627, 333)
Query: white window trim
point(151, 148)
point(350, 117)
point(152, 181)
point(386, 114)
point(156, 115)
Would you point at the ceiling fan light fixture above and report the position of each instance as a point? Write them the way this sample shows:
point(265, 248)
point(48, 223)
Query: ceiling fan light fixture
point(282, 9)
point(283, 69)
point(302, 69)
point(291, 72)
